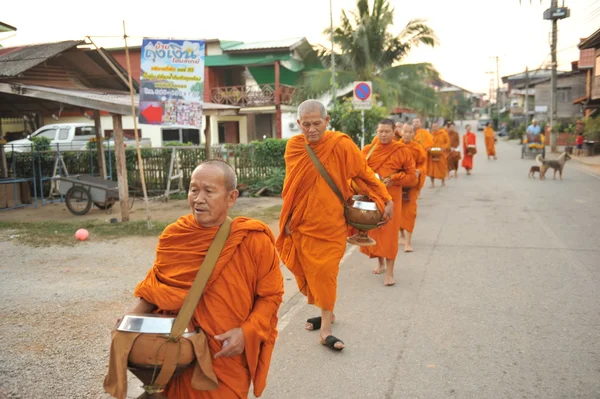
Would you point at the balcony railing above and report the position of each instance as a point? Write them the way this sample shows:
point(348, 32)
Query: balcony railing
point(252, 96)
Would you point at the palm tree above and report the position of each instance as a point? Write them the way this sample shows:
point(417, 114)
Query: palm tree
point(368, 51)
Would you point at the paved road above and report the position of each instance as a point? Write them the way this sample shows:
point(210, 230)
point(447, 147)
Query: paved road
point(501, 298)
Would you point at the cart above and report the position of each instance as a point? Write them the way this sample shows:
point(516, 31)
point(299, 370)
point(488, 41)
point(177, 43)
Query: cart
point(533, 146)
point(83, 191)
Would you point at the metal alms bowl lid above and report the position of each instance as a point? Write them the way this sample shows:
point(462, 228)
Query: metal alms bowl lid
point(147, 323)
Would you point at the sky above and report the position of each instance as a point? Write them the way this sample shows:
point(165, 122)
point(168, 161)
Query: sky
point(471, 33)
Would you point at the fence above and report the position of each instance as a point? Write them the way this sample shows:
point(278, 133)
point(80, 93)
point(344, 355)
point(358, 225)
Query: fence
point(250, 162)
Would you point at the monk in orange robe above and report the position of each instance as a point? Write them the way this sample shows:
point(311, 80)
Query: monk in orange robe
point(437, 166)
point(468, 139)
point(398, 127)
point(454, 150)
point(312, 223)
point(409, 208)
point(422, 136)
point(490, 140)
point(394, 163)
point(239, 305)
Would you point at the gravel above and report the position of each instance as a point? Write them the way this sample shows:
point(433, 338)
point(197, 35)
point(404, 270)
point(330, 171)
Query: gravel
point(58, 306)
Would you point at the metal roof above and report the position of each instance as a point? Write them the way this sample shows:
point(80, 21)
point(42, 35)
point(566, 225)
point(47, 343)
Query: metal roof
point(285, 44)
point(593, 41)
point(16, 60)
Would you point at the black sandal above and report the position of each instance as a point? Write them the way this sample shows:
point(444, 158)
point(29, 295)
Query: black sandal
point(316, 323)
point(330, 342)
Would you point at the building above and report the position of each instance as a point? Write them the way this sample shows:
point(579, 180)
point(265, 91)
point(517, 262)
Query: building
point(256, 80)
point(520, 91)
point(589, 62)
point(569, 86)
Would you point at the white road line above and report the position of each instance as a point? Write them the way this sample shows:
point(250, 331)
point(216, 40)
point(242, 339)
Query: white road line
point(289, 315)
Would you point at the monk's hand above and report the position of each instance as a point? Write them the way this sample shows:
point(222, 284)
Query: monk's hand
point(233, 343)
point(418, 172)
point(388, 212)
point(388, 182)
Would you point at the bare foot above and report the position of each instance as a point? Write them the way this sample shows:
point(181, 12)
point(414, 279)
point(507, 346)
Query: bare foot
point(407, 248)
point(379, 269)
point(388, 281)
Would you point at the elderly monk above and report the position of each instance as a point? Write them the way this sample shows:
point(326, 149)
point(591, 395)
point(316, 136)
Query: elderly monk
point(312, 223)
point(408, 214)
point(468, 139)
point(422, 136)
point(394, 163)
point(437, 167)
point(238, 308)
point(454, 151)
point(490, 141)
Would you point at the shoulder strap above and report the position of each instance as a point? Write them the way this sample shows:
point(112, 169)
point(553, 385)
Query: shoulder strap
point(193, 297)
point(324, 174)
point(371, 150)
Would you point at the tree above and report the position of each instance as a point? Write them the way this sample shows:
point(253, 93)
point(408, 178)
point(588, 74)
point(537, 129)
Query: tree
point(345, 119)
point(368, 51)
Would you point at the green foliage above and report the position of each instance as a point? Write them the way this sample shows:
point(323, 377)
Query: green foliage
point(345, 119)
point(41, 143)
point(273, 181)
point(177, 144)
point(591, 129)
point(369, 51)
point(517, 132)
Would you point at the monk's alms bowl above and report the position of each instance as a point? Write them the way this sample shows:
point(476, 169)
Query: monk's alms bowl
point(436, 153)
point(362, 213)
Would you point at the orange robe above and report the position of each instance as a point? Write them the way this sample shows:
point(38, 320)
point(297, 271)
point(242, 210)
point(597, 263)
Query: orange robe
point(454, 150)
point(409, 208)
point(423, 137)
point(245, 290)
point(468, 139)
point(490, 141)
point(439, 169)
point(318, 227)
point(396, 161)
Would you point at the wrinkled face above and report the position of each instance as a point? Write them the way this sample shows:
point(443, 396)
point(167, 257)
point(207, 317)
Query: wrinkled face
point(408, 135)
point(209, 198)
point(313, 126)
point(385, 133)
point(416, 123)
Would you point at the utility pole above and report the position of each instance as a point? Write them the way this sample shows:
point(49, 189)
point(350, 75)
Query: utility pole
point(526, 110)
point(497, 94)
point(553, 102)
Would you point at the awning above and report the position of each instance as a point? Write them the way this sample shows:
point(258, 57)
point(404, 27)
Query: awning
point(581, 100)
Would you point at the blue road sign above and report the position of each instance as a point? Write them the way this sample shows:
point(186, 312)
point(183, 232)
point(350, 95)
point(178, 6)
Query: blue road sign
point(362, 91)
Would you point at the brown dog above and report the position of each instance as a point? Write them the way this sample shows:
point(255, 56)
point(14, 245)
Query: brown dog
point(558, 165)
point(532, 171)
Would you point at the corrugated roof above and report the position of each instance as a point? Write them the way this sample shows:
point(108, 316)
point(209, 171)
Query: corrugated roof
point(244, 59)
point(592, 41)
point(16, 60)
point(268, 45)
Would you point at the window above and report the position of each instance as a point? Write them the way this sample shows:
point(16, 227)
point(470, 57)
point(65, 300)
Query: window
point(63, 133)
point(170, 135)
point(191, 136)
point(127, 133)
point(49, 133)
point(563, 94)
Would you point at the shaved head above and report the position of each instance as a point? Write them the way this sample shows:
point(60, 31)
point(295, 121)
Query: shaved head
point(228, 172)
point(310, 106)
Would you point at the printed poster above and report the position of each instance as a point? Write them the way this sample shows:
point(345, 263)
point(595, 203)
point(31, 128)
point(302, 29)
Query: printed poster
point(172, 82)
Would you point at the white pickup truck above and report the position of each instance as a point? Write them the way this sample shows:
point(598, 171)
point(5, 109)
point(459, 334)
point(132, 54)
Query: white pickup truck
point(67, 137)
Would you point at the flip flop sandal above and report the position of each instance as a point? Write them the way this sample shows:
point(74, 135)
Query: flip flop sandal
point(330, 342)
point(316, 323)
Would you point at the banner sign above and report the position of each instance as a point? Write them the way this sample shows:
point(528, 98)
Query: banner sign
point(172, 82)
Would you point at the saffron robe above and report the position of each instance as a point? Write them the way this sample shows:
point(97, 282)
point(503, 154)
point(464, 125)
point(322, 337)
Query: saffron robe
point(316, 218)
point(244, 290)
point(423, 137)
point(468, 139)
point(392, 160)
point(454, 150)
point(439, 169)
point(409, 208)
point(490, 141)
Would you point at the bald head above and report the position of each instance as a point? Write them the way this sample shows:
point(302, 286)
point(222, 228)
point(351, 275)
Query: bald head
point(225, 168)
point(312, 106)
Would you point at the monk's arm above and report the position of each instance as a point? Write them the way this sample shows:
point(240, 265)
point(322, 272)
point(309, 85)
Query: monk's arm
point(269, 289)
point(407, 177)
point(360, 168)
point(143, 306)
